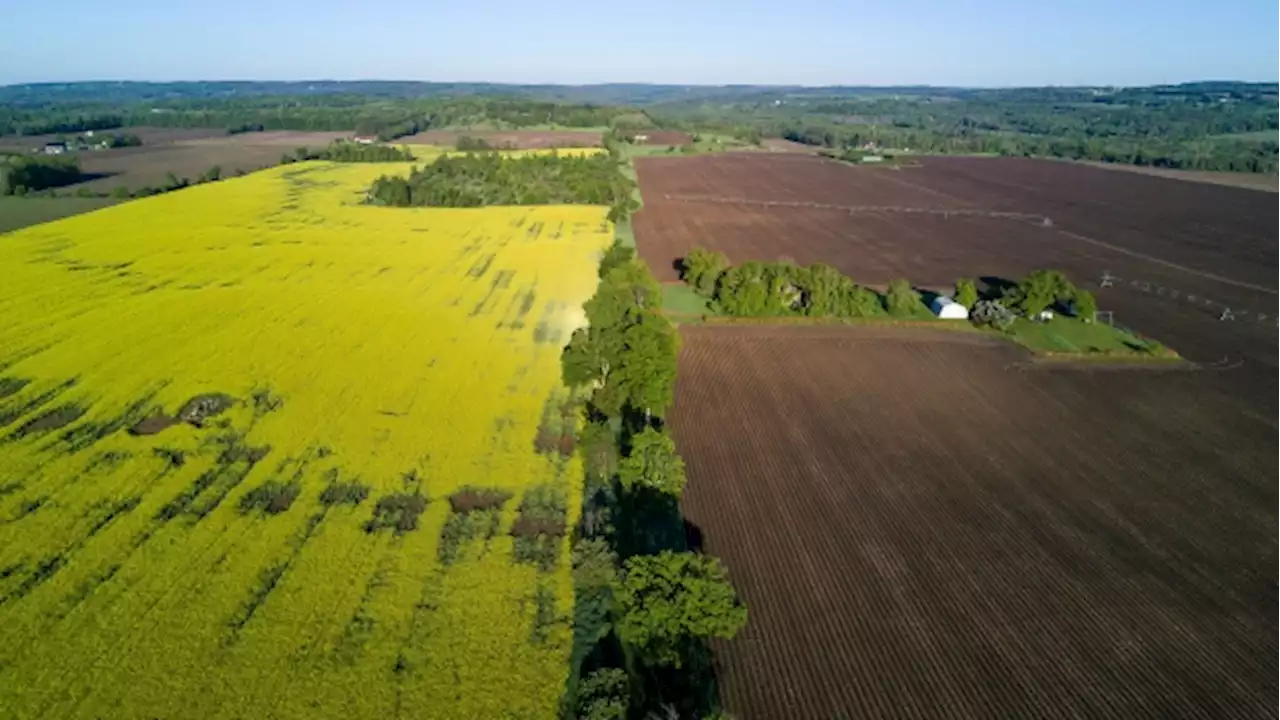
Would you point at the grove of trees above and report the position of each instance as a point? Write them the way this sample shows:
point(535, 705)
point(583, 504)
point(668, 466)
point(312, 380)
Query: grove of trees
point(479, 179)
point(21, 174)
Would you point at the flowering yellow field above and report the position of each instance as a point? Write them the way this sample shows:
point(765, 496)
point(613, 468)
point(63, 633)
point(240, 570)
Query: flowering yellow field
point(408, 350)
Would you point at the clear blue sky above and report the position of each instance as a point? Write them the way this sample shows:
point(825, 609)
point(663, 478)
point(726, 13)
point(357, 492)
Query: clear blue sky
point(965, 42)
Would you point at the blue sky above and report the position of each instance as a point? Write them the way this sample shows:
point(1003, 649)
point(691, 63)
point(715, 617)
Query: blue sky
point(967, 42)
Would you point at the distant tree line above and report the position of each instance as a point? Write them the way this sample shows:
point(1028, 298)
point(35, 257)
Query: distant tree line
point(645, 604)
point(385, 118)
point(1206, 154)
point(480, 179)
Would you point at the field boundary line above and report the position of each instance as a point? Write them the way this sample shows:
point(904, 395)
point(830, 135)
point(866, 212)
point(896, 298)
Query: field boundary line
point(1168, 264)
point(945, 212)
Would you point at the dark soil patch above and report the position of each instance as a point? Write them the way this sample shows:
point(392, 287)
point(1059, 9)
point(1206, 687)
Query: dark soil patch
point(153, 425)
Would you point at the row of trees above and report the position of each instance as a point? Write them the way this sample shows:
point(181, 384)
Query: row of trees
point(22, 174)
point(779, 289)
point(646, 605)
point(480, 179)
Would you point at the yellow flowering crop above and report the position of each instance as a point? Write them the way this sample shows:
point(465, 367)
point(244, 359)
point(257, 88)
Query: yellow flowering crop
point(406, 349)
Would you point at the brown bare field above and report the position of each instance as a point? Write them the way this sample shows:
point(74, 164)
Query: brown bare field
point(1252, 181)
point(148, 135)
point(1183, 253)
point(187, 154)
point(924, 525)
point(509, 138)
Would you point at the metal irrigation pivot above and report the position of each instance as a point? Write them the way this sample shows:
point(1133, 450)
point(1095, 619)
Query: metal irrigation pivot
point(1226, 314)
point(1107, 279)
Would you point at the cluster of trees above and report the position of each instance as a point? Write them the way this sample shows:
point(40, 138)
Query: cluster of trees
point(475, 180)
point(780, 289)
point(646, 605)
point(1038, 291)
point(21, 174)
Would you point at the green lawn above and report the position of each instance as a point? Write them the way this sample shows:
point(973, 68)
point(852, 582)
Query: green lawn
point(19, 212)
point(680, 299)
point(1071, 335)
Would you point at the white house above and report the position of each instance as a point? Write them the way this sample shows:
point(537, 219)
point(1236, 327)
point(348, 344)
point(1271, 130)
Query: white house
point(947, 309)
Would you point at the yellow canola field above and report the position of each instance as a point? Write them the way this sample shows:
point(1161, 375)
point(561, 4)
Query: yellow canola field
point(405, 349)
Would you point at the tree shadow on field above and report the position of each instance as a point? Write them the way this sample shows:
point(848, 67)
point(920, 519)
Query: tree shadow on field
point(927, 296)
point(993, 287)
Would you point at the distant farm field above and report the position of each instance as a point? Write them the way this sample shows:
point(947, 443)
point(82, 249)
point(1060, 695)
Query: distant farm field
point(335, 369)
point(19, 212)
point(509, 138)
point(925, 524)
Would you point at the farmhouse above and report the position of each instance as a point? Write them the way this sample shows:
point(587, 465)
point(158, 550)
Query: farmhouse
point(947, 309)
point(365, 139)
point(55, 148)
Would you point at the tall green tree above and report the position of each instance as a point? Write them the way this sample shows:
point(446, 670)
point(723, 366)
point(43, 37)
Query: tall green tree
point(901, 300)
point(966, 292)
point(670, 600)
point(653, 464)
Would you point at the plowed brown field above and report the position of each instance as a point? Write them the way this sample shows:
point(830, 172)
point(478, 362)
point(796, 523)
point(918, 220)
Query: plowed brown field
point(509, 138)
point(1183, 252)
point(923, 525)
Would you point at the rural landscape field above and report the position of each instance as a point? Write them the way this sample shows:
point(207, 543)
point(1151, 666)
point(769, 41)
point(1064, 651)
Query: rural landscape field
point(383, 399)
point(346, 338)
point(932, 524)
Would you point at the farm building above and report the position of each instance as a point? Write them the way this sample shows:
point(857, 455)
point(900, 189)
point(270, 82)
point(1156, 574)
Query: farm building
point(947, 309)
point(55, 148)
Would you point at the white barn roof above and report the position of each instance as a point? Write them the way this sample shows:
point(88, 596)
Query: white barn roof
point(947, 309)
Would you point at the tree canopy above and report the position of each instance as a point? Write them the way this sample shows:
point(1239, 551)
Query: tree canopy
point(479, 179)
point(668, 600)
point(653, 464)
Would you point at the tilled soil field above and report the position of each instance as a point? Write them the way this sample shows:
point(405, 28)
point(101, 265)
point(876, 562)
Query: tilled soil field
point(191, 155)
point(1193, 265)
point(509, 138)
point(923, 524)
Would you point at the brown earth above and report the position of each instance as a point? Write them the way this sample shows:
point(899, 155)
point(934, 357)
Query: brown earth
point(924, 525)
point(188, 154)
point(148, 135)
point(1181, 254)
point(509, 138)
point(1253, 181)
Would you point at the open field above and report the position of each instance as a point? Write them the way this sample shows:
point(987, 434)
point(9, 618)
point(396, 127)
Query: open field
point(662, 137)
point(188, 153)
point(1181, 253)
point(924, 525)
point(19, 212)
point(508, 138)
point(1251, 181)
point(148, 575)
point(148, 135)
